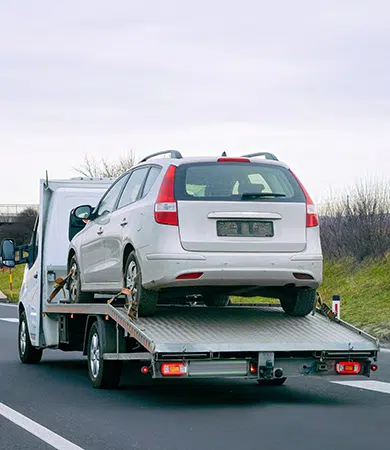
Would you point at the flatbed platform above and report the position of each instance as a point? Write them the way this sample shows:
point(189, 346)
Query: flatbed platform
point(199, 329)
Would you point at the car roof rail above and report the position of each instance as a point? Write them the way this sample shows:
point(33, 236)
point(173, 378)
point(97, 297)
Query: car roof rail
point(266, 154)
point(175, 154)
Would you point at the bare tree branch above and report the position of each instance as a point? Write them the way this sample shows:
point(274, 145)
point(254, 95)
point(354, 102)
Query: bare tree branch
point(104, 168)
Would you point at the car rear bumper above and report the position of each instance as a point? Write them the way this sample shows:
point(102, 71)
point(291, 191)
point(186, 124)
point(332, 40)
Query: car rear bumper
point(231, 269)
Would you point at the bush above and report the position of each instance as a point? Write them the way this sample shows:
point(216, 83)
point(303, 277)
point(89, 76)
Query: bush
point(358, 223)
point(20, 230)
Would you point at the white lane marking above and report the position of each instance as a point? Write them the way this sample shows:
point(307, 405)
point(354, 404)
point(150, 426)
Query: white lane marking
point(9, 304)
point(371, 385)
point(385, 350)
point(37, 430)
point(13, 319)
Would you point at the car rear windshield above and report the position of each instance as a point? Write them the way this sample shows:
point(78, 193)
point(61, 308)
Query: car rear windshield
point(241, 181)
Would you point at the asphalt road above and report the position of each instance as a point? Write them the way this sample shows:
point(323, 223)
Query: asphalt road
point(303, 414)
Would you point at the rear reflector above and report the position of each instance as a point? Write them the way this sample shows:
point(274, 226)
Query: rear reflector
point(189, 276)
point(348, 368)
point(302, 276)
point(165, 208)
point(173, 369)
point(233, 160)
point(374, 367)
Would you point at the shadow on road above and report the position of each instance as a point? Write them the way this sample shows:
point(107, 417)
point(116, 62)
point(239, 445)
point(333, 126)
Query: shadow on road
point(136, 390)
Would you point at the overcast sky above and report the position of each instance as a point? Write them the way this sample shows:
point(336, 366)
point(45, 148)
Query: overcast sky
point(309, 81)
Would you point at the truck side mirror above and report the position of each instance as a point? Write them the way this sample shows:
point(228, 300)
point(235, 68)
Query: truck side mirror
point(83, 212)
point(7, 253)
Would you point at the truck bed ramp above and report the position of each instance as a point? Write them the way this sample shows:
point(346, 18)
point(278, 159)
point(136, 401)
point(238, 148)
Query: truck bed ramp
point(200, 329)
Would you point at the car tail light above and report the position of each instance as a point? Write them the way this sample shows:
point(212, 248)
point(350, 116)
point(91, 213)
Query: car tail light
point(165, 208)
point(311, 210)
point(374, 367)
point(224, 159)
point(253, 368)
point(189, 276)
point(348, 368)
point(173, 369)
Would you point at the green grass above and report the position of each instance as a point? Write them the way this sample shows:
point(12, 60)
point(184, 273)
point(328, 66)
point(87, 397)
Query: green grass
point(364, 290)
point(17, 275)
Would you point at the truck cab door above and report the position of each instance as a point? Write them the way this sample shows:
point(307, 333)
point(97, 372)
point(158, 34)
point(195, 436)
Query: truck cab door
point(30, 293)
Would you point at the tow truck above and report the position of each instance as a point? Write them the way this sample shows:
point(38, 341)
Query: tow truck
point(249, 341)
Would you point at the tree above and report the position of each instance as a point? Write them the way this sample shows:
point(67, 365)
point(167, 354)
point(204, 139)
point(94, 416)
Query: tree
point(93, 168)
point(20, 230)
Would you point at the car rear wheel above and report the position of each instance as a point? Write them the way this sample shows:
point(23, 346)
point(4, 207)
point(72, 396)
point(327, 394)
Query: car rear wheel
point(75, 293)
point(298, 303)
point(145, 299)
point(216, 300)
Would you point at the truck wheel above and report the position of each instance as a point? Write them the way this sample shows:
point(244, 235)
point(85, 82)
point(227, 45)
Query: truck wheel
point(217, 300)
point(144, 298)
point(298, 303)
point(104, 374)
point(75, 293)
point(28, 354)
point(273, 382)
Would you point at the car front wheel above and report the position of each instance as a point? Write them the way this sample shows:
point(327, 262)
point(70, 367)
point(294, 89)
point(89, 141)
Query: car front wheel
point(75, 293)
point(144, 299)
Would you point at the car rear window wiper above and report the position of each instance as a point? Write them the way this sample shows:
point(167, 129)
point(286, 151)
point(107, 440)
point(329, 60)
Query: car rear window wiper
point(261, 195)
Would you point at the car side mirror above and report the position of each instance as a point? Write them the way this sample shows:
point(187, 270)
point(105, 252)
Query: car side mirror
point(7, 253)
point(83, 212)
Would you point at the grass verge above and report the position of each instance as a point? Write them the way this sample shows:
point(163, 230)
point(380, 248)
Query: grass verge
point(17, 276)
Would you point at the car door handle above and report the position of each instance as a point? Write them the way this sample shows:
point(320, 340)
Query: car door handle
point(124, 223)
point(100, 231)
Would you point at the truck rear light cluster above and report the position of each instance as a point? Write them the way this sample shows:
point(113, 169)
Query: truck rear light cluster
point(176, 369)
point(348, 367)
point(312, 219)
point(165, 208)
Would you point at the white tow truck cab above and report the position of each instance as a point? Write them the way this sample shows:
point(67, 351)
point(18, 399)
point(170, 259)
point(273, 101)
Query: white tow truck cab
point(259, 342)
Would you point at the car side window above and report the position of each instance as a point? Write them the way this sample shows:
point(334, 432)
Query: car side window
point(108, 202)
point(154, 172)
point(133, 187)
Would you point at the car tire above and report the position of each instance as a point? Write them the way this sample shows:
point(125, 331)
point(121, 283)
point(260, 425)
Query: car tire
point(75, 293)
point(28, 354)
point(217, 300)
point(299, 303)
point(145, 299)
point(104, 374)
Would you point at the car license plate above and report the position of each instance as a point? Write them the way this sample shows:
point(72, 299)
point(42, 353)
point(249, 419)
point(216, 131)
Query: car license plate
point(245, 228)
